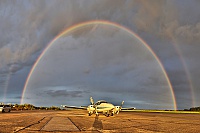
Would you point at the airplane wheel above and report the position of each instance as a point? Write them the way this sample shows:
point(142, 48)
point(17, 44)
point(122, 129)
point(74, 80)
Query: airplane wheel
point(9, 110)
point(89, 114)
point(112, 114)
point(3, 111)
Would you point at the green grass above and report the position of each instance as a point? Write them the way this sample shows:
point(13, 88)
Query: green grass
point(163, 111)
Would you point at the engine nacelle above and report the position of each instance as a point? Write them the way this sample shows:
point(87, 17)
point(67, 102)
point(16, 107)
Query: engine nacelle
point(91, 109)
point(116, 109)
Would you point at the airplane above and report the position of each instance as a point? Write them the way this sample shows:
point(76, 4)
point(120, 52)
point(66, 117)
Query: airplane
point(100, 106)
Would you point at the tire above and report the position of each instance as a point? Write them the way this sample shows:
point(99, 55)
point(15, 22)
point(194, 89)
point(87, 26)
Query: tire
point(3, 111)
point(9, 110)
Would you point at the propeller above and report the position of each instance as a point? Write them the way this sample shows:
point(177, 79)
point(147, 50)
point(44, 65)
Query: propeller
point(118, 108)
point(92, 102)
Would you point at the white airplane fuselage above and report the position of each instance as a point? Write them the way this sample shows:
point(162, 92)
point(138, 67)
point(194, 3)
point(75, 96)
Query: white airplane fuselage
point(104, 107)
point(101, 107)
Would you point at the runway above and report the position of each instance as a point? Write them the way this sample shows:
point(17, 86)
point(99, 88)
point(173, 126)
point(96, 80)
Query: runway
point(77, 121)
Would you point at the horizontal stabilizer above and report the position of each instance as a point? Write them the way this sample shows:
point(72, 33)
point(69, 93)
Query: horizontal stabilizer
point(74, 107)
point(131, 108)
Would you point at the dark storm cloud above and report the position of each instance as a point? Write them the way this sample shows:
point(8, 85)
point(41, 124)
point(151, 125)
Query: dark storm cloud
point(64, 93)
point(28, 26)
point(18, 97)
point(169, 19)
point(33, 24)
point(14, 67)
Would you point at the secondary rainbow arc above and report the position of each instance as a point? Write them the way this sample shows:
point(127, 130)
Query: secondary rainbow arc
point(109, 23)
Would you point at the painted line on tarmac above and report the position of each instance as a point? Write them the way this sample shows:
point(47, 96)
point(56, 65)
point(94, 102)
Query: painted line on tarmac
point(60, 124)
point(45, 123)
point(23, 128)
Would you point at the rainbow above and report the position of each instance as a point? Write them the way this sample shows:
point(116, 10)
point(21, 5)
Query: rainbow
point(189, 79)
point(79, 25)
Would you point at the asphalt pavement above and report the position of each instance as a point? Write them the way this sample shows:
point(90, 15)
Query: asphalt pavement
point(78, 121)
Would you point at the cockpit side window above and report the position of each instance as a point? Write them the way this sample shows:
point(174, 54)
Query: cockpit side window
point(103, 102)
point(97, 103)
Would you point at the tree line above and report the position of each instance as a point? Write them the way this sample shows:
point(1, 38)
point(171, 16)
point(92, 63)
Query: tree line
point(32, 107)
point(195, 109)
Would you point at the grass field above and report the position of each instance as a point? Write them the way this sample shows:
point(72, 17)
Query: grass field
point(163, 111)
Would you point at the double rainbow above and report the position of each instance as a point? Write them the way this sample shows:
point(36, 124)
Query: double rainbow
point(74, 27)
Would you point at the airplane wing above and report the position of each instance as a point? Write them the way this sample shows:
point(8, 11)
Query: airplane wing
point(74, 107)
point(130, 108)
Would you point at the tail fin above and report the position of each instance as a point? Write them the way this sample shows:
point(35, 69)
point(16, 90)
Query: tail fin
point(122, 103)
point(91, 100)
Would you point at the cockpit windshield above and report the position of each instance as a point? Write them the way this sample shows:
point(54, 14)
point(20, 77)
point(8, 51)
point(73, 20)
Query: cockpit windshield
point(99, 102)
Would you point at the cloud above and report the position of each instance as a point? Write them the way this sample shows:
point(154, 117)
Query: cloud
point(34, 27)
point(27, 28)
point(18, 97)
point(64, 93)
point(5, 57)
point(148, 15)
point(165, 19)
point(189, 33)
point(184, 34)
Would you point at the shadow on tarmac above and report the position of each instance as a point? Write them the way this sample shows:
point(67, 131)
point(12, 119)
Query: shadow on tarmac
point(97, 125)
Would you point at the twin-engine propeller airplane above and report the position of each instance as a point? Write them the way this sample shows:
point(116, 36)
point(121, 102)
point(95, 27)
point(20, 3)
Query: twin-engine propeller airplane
point(101, 106)
point(104, 107)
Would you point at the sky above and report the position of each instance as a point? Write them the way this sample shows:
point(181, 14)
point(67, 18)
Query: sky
point(101, 60)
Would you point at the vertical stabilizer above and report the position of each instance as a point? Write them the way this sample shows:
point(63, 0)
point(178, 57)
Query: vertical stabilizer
point(91, 100)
